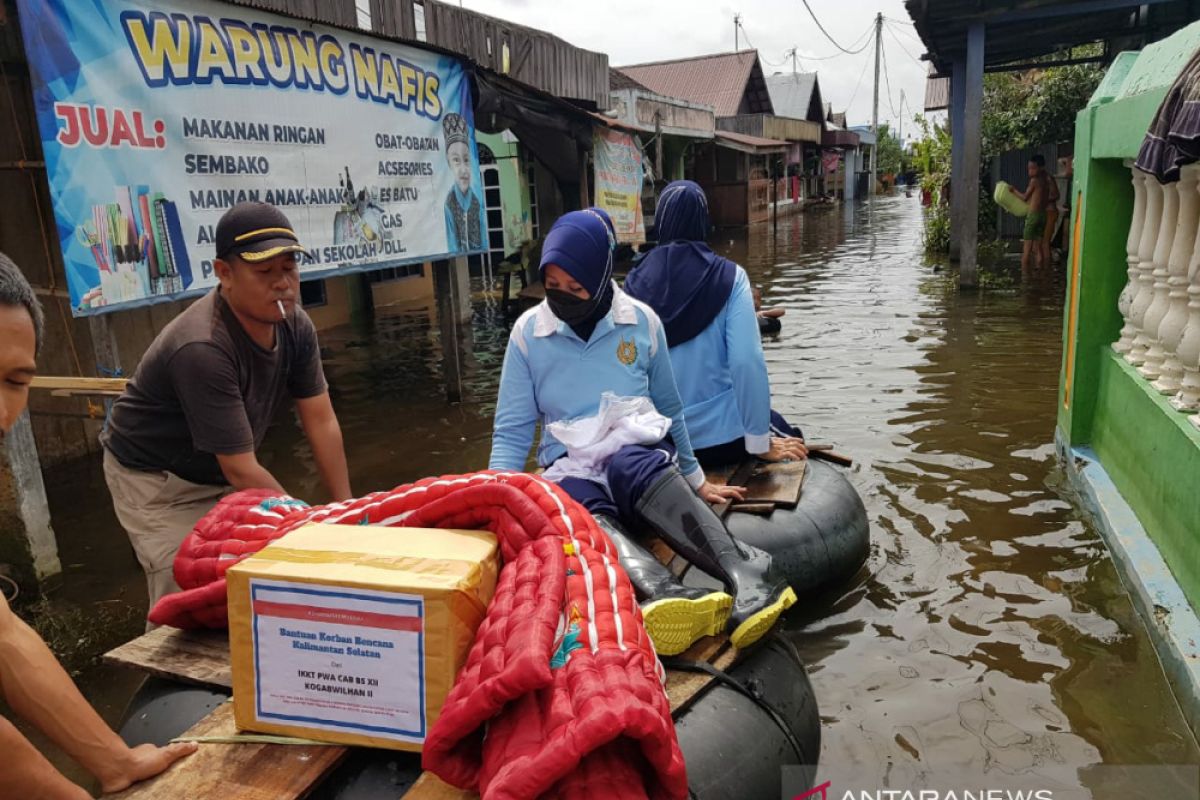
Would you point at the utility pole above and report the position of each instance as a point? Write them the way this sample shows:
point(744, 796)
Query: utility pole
point(875, 107)
point(793, 59)
point(737, 20)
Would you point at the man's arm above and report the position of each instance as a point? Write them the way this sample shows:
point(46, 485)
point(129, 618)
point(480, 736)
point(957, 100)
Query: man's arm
point(1023, 195)
point(37, 688)
point(243, 471)
point(324, 433)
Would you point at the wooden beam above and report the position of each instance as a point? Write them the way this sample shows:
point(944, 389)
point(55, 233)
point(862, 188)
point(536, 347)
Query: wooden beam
point(239, 771)
point(101, 386)
point(200, 657)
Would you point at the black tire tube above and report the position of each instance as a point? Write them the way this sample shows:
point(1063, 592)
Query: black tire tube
point(768, 326)
point(819, 544)
point(732, 746)
point(736, 749)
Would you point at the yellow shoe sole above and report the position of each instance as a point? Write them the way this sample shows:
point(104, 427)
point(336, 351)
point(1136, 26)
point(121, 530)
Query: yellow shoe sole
point(758, 625)
point(675, 623)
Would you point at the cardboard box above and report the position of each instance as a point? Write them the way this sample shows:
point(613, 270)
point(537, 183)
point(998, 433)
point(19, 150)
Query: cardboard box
point(355, 634)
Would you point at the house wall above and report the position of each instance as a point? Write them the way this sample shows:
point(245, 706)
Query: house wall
point(1144, 445)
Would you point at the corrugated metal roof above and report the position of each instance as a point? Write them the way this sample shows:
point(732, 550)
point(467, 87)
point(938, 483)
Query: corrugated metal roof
point(618, 80)
point(1022, 29)
point(792, 94)
point(720, 81)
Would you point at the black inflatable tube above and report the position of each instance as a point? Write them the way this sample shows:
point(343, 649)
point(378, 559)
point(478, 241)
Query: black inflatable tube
point(769, 325)
point(733, 746)
point(819, 544)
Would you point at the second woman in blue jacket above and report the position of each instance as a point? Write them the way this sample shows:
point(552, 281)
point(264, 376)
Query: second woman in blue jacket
point(588, 338)
point(707, 309)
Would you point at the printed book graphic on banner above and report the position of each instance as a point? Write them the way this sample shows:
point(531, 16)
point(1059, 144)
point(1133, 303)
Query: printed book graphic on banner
point(339, 659)
point(619, 183)
point(155, 119)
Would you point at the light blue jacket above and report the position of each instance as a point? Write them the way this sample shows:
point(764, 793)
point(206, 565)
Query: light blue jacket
point(722, 376)
point(550, 374)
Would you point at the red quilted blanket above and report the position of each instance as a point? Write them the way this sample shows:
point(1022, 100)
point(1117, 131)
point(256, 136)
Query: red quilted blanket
point(561, 677)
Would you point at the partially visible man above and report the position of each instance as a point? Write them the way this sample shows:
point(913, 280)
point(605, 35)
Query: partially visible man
point(1040, 194)
point(33, 683)
point(186, 429)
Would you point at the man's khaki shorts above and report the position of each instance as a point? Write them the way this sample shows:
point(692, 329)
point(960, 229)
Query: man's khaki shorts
point(157, 510)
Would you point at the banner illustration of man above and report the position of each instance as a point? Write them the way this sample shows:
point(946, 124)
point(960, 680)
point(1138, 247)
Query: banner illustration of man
point(464, 210)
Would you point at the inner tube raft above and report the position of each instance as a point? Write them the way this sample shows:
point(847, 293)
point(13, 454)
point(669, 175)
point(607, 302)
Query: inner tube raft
point(819, 544)
point(770, 722)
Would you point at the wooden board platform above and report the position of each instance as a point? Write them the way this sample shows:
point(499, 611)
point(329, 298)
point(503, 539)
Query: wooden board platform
point(246, 771)
point(200, 657)
point(238, 771)
point(58, 386)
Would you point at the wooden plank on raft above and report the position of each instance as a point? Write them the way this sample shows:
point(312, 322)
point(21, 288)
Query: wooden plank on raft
point(239, 771)
point(65, 386)
point(777, 483)
point(192, 656)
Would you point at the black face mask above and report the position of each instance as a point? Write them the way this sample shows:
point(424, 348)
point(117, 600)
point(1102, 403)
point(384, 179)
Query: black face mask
point(580, 315)
point(569, 308)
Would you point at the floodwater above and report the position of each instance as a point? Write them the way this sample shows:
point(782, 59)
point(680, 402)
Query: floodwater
point(988, 633)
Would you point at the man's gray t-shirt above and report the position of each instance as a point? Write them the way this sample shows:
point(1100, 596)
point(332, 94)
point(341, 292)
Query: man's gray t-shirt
point(205, 388)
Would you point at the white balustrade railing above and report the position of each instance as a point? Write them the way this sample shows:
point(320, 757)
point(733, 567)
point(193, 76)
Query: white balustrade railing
point(1170, 330)
point(1161, 302)
point(1143, 293)
point(1129, 331)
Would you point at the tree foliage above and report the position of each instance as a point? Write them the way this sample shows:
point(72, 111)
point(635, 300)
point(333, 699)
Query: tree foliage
point(890, 156)
point(1019, 110)
point(1033, 108)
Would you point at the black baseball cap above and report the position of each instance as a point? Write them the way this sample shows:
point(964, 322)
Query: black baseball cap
point(255, 232)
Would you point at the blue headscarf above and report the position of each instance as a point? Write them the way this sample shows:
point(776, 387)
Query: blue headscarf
point(582, 244)
point(682, 279)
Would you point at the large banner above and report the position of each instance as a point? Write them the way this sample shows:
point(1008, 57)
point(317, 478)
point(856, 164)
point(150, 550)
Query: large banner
point(155, 119)
point(619, 183)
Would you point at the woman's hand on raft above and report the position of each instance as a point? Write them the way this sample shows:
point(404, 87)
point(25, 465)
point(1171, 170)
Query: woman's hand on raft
point(711, 493)
point(785, 448)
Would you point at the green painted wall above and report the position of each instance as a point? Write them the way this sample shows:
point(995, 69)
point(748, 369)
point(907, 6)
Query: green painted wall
point(1145, 445)
point(1152, 454)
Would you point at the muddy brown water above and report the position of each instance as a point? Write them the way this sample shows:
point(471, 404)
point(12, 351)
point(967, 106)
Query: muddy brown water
point(988, 633)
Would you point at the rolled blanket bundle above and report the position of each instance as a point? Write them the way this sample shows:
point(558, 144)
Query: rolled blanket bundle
point(561, 676)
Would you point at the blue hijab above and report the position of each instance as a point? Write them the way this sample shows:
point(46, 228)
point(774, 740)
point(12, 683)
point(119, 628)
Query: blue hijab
point(582, 244)
point(682, 279)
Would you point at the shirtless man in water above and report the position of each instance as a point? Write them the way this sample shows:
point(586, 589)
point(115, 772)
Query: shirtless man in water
point(1041, 195)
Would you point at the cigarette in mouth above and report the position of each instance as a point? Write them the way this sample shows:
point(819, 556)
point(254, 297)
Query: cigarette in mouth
point(282, 313)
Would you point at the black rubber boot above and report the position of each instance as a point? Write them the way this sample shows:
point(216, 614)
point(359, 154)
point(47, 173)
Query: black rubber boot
point(684, 521)
point(675, 615)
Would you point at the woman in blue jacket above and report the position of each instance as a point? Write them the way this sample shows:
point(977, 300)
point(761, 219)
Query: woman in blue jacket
point(707, 308)
point(587, 338)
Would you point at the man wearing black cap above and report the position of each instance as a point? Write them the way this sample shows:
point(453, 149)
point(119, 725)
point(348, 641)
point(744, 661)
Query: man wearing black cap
point(185, 431)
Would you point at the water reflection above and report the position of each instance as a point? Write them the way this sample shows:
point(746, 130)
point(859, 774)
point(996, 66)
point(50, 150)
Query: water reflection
point(990, 632)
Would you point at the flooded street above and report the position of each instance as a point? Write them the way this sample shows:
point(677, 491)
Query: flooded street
point(988, 631)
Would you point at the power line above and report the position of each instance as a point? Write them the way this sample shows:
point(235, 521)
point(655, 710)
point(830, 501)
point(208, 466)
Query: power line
point(858, 85)
point(895, 38)
point(830, 38)
point(888, 82)
point(864, 36)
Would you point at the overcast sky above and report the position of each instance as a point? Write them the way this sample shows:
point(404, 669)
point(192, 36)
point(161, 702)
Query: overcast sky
point(635, 31)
